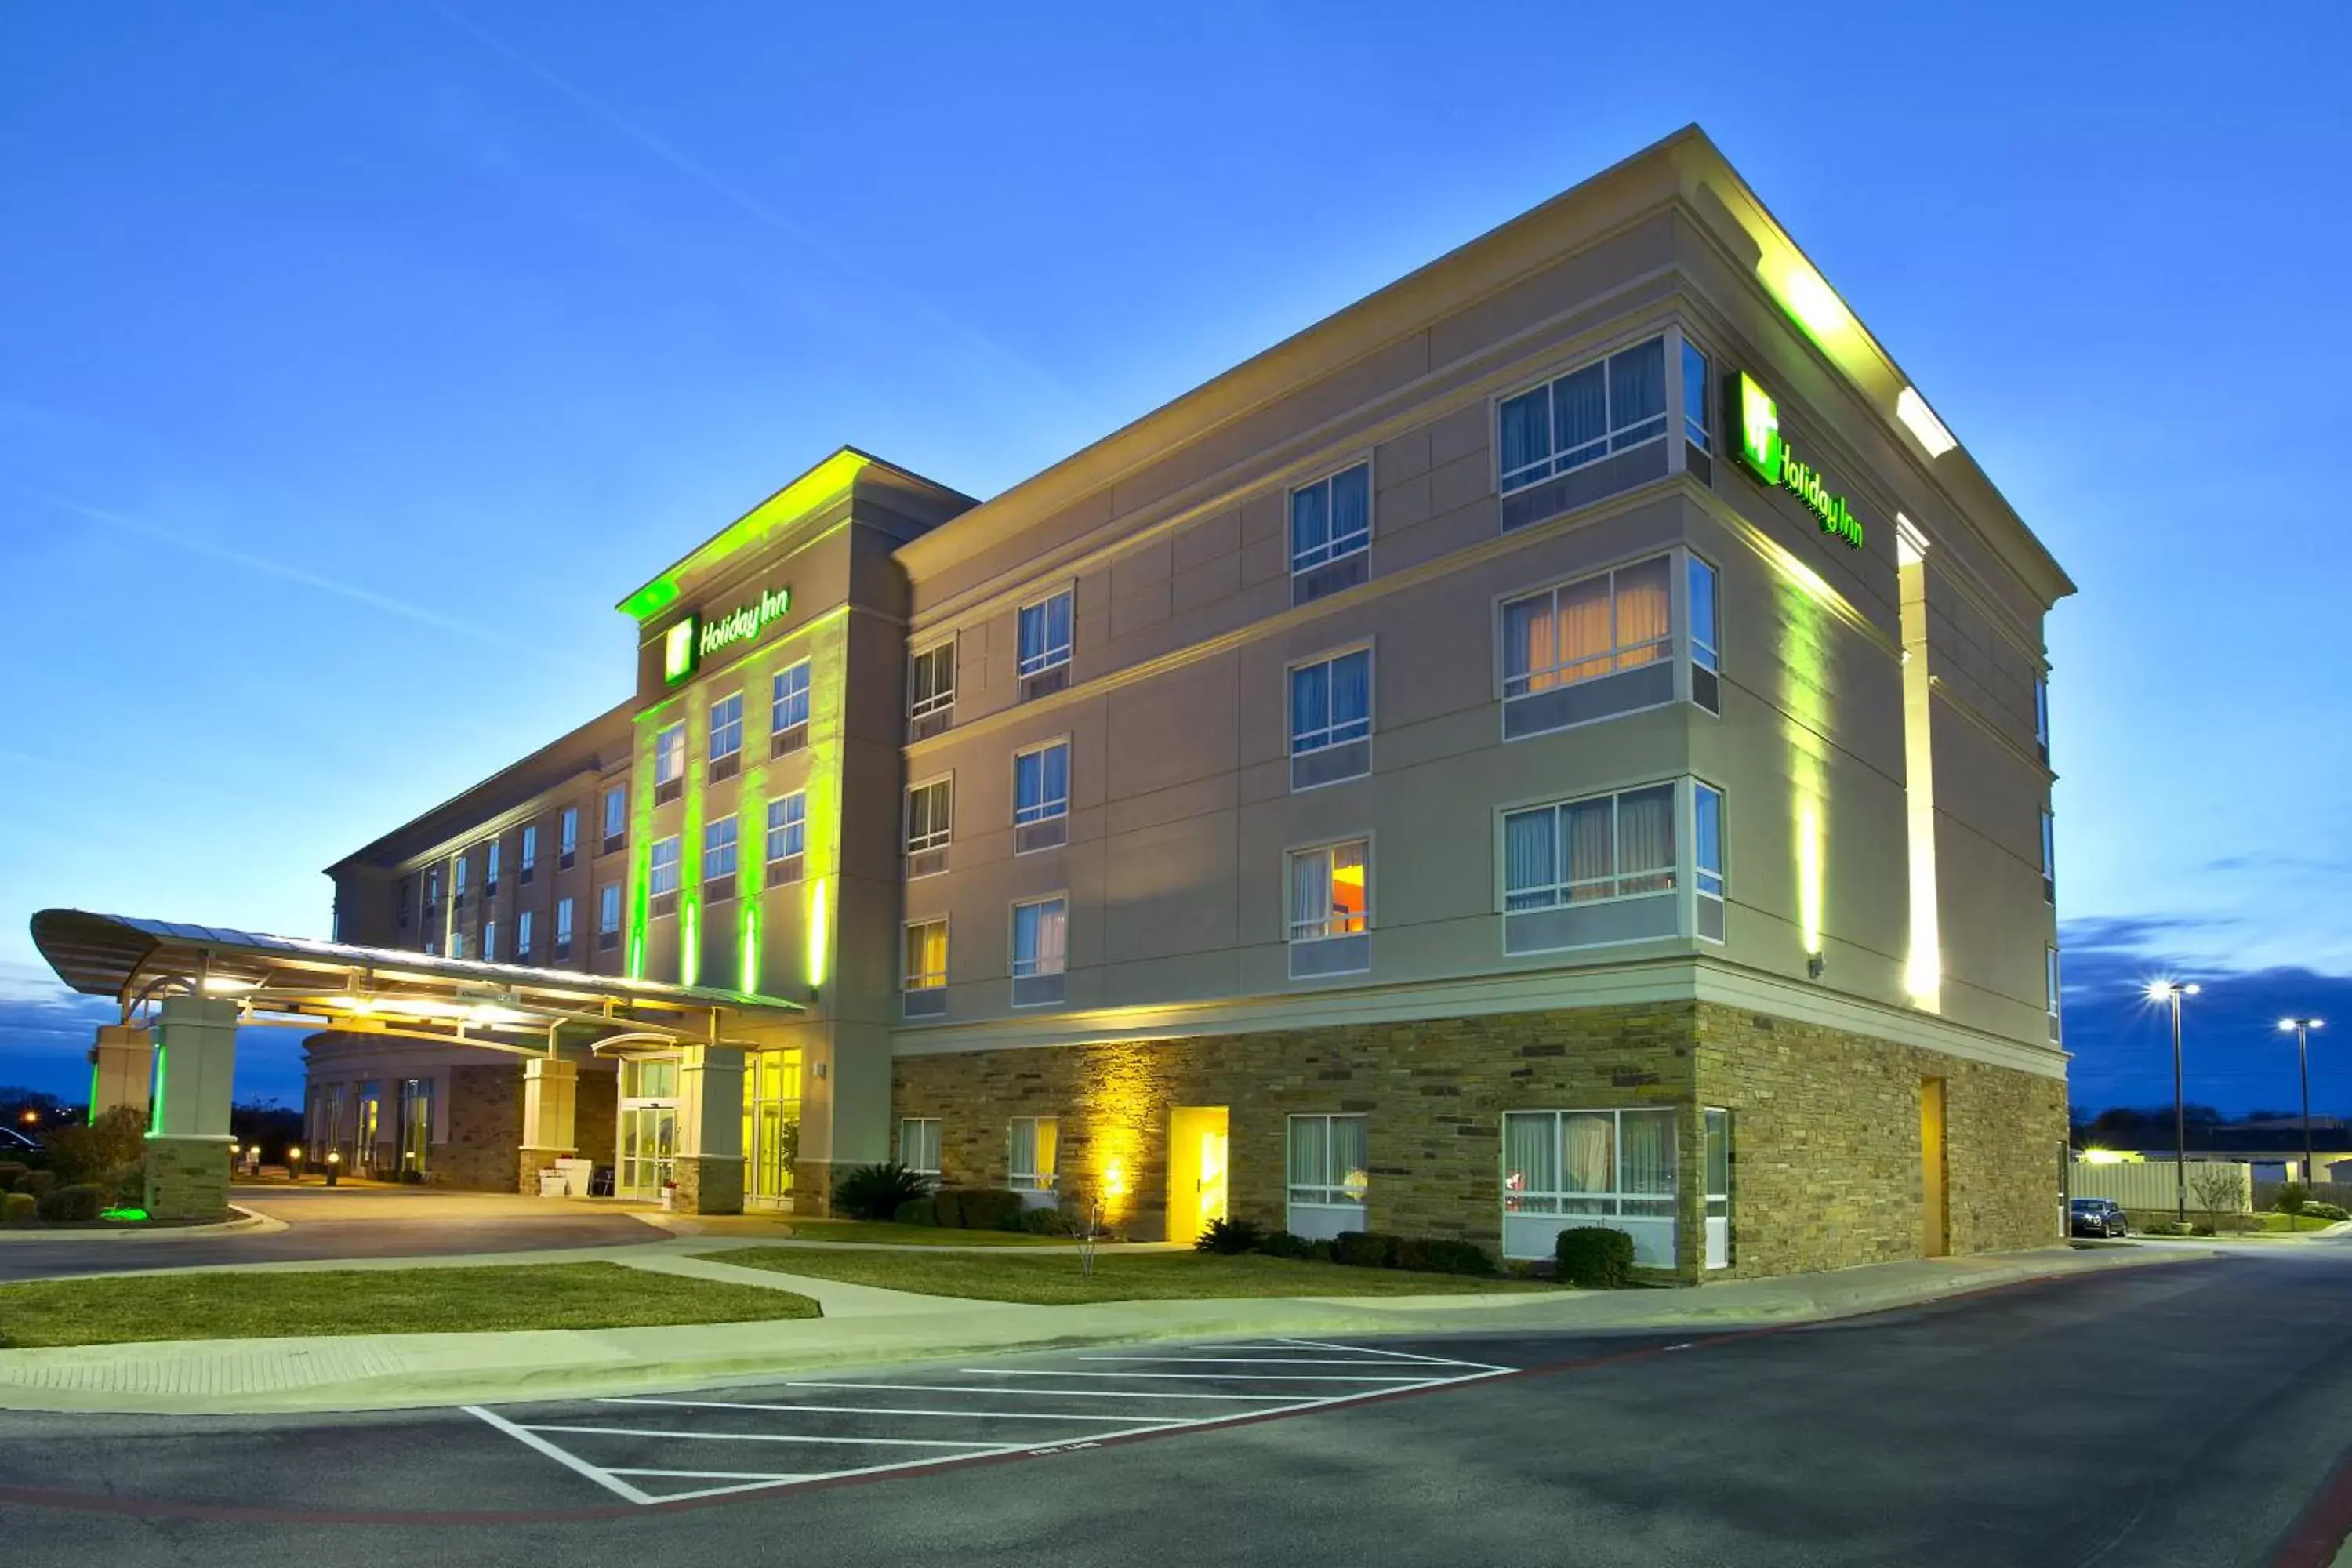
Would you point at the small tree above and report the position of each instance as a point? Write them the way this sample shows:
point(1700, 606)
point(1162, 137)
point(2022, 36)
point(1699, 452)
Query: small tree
point(2216, 1186)
point(2292, 1198)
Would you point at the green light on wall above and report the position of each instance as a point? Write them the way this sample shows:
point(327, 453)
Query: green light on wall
point(652, 599)
point(1765, 453)
point(1804, 662)
point(746, 945)
point(156, 1113)
point(89, 1116)
point(641, 834)
point(818, 936)
point(817, 488)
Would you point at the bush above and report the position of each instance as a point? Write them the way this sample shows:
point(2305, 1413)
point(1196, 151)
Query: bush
point(76, 1203)
point(1365, 1249)
point(17, 1208)
point(916, 1211)
point(83, 1155)
point(1230, 1236)
point(126, 1185)
point(1282, 1243)
point(1443, 1255)
point(2291, 1199)
point(1046, 1222)
point(990, 1208)
point(875, 1192)
point(9, 1171)
point(1322, 1252)
point(40, 1184)
point(2332, 1213)
point(1594, 1258)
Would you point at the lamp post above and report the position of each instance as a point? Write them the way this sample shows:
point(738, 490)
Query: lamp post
point(2302, 1027)
point(2171, 992)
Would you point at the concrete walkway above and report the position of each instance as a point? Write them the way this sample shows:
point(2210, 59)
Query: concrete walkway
point(864, 1325)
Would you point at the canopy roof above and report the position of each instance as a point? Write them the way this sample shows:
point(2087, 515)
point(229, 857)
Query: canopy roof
point(379, 990)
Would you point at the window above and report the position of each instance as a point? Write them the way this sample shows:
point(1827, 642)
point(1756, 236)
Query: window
point(1029, 1150)
point(1606, 407)
point(1614, 1163)
point(608, 917)
point(616, 818)
point(924, 974)
point(1700, 578)
point(787, 837)
point(1717, 1136)
point(457, 868)
point(1328, 890)
point(1040, 938)
point(788, 709)
point(490, 941)
point(1044, 645)
point(1041, 797)
point(1331, 714)
point(1695, 397)
point(649, 1079)
point(456, 944)
point(1608, 847)
point(490, 858)
point(919, 1145)
point(1332, 522)
point(563, 928)
point(931, 691)
point(2048, 859)
point(1327, 1171)
point(1594, 627)
point(719, 839)
point(662, 877)
point(431, 947)
point(670, 764)
point(433, 894)
point(402, 902)
point(2050, 987)
point(1706, 858)
point(2042, 717)
point(726, 732)
point(567, 840)
point(930, 815)
point(527, 861)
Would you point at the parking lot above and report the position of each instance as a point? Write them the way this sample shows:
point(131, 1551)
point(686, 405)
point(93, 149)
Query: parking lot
point(675, 1448)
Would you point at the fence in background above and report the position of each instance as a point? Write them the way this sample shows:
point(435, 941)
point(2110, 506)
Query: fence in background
point(2151, 1184)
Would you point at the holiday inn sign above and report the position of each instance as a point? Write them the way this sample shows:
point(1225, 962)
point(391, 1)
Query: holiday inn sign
point(689, 641)
point(1765, 453)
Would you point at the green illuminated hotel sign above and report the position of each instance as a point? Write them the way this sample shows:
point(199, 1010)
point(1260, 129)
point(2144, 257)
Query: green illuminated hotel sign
point(688, 642)
point(1764, 452)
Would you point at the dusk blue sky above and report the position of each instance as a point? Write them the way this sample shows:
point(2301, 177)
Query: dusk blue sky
point(354, 360)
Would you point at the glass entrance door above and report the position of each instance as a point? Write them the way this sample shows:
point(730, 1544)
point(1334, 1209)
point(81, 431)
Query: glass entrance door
point(648, 1150)
point(772, 1126)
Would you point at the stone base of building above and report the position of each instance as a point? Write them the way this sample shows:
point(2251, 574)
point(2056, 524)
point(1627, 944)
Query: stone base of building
point(1826, 1126)
point(707, 1184)
point(812, 1185)
point(529, 1162)
point(188, 1178)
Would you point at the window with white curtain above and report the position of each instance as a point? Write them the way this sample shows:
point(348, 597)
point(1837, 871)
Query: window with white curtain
point(1029, 1153)
point(787, 837)
point(930, 681)
point(1040, 932)
point(1043, 634)
point(1609, 406)
point(662, 877)
point(1332, 518)
point(1614, 1163)
point(726, 727)
point(918, 1144)
point(1328, 890)
point(1594, 627)
point(669, 762)
point(1618, 846)
point(719, 839)
point(1327, 1160)
point(788, 698)
point(930, 813)
point(1331, 702)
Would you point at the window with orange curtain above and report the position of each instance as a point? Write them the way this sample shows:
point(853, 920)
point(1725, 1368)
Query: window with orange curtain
point(1594, 627)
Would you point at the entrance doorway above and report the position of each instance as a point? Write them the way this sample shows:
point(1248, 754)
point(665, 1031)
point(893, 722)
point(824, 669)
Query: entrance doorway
point(649, 1130)
point(1936, 1218)
point(1196, 1169)
point(772, 1126)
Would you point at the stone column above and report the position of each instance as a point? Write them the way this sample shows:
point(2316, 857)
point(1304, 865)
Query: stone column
point(188, 1138)
point(124, 1059)
point(709, 1170)
point(551, 1087)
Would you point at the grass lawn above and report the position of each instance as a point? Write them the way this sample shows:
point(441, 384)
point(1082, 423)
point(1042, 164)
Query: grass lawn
point(195, 1305)
point(1147, 1277)
point(2282, 1225)
point(882, 1230)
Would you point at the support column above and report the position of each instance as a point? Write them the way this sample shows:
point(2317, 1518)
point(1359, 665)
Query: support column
point(123, 1069)
point(709, 1169)
point(188, 1138)
point(551, 1088)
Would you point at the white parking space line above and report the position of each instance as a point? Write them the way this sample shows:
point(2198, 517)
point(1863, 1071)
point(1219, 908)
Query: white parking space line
point(642, 1458)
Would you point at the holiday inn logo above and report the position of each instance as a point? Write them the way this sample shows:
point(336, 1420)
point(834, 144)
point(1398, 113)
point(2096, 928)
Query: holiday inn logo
point(1765, 453)
point(688, 642)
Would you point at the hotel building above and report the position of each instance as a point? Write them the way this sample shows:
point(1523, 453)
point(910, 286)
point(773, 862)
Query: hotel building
point(1562, 740)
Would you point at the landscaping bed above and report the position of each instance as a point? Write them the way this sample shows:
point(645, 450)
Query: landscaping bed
point(195, 1305)
point(1118, 1277)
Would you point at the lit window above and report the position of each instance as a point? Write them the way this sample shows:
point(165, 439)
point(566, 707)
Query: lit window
point(927, 956)
point(1029, 1153)
point(1041, 784)
point(787, 829)
point(919, 1145)
point(1328, 890)
point(930, 813)
point(1331, 702)
point(670, 764)
point(1581, 417)
point(1596, 625)
point(1045, 635)
point(1608, 847)
point(1332, 518)
point(1328, 1162)
point(788, 698)
point(1606, 1163)
point(930, 681)
point(1039, 934)
point(726, 727)
point(1694, 397)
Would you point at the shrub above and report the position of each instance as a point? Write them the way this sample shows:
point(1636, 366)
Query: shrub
point(74, 1203)
point(126, 1185)
point(1229, 1237)
point(875, 1192)
point(9, 1171)
point(1322, 1252)
point(916, 1211)
point(1282, 1243)
point(948, 1204)
point(1046, 1222)
point(17, 1208)
point(2329, 1212)
point(2292, 1198)
point(991, 1208)
point(84, 1155)
point(1594, 1258)
point(40, 1184)
point(2200, 1227)
point(1442, 1255)
point(1365, 1249)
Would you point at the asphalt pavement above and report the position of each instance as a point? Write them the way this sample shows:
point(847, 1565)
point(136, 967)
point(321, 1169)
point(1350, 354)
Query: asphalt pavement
point(2200, 1413)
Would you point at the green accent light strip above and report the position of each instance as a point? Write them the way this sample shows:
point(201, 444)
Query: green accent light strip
point(817, 488)
point(1764, 452)
point(156, 1113)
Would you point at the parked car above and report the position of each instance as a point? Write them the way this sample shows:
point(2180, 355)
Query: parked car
point(2098, 1216)
point(13, 1143)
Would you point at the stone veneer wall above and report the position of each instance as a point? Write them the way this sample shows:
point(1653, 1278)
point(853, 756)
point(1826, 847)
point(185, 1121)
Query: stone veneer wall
point(485, 1145)
point(596, 1115)
point(1826, 1122)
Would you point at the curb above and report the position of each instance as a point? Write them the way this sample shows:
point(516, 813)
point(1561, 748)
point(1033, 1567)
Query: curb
point(248, 1219)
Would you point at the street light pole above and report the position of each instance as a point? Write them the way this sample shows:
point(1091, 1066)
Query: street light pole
point(2172, 991)
point(2302, 1027)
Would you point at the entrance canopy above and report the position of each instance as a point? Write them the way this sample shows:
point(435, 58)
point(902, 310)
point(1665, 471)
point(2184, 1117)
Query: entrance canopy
point(386, 991)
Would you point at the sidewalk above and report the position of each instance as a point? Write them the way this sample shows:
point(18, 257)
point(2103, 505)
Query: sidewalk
point(864, 1326)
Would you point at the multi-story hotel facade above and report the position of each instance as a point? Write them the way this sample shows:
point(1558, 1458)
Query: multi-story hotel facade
point(1563, 741)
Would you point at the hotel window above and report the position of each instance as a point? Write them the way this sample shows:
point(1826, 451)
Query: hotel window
point(1694, 397)
point(919, 1145)
point(1331, 910)
point(931, 691)
point(787, 837)
point(1579, 634)
point(456, 944)
point(1328, 1176)
point(1044, 645)
point(1706, 858)
point(1330, 533)
point(608, 917)
point(1596, 1164)
point(616, 818)
point(670, 764)
point(2048, 859)
point(924, 974)
point(1606, 407)
point(401, 905)
point(527, 857)
point(432, 895)
point(1331, 720)
point(432, 948)
point(1707, 679)
point(662, 877)
point(490, 859)
point(726, 751)
point(1041, 797)
point(930, 810)
point(719, 841)
point(1594, 871)
point(563, 928)
point(490, 941)
point(2042, 718)
point(788, 709)
point(523, 923)
point(2051, 989)
point(1029, 1153)
point(567, 840)
point(1040, 948)
point(457, 882)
